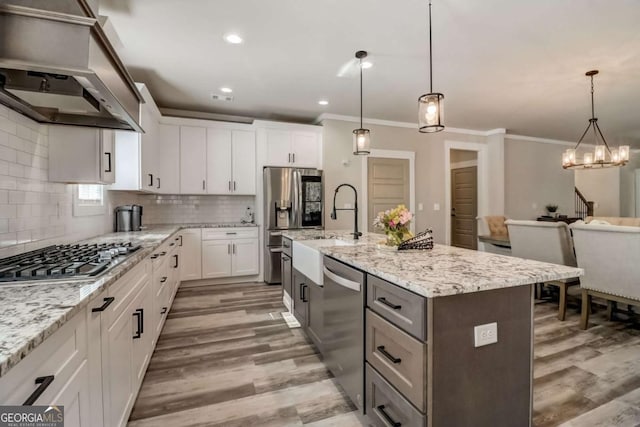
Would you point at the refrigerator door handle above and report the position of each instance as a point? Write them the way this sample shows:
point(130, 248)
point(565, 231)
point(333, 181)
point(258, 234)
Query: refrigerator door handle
point(297, 208)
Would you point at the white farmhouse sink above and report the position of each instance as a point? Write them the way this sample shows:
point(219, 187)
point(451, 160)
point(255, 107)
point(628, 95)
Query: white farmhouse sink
point(307, 259)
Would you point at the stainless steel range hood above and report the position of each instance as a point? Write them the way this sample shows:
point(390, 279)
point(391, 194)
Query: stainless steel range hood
point(60, 68)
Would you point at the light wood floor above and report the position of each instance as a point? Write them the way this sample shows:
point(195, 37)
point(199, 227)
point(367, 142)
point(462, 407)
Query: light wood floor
point(227, 358)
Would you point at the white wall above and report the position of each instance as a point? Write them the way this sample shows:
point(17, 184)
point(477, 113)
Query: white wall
point(601, 186)
point(34, 212)
point(629, 189)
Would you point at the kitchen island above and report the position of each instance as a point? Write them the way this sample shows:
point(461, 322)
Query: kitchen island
point(448, 333)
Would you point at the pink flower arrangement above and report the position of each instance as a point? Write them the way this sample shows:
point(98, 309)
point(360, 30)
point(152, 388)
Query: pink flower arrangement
point(395, 224)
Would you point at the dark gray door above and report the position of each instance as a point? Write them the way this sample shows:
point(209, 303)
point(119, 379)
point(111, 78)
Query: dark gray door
point(464, 207)
point(300, 297)
point(285, 265)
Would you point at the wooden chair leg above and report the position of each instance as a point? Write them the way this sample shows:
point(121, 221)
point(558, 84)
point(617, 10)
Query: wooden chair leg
point(562, 310)
point(586, 309)
point(611, 310)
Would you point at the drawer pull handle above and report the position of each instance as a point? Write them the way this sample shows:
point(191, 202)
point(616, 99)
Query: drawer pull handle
point(139, 313)
point(163, 253)
point(171, 244)
point(387, 417)
point(154, 256)
point(386, 354)
point(103, 307)
point(164, 310)
point(384, 301)
point(164, 279)
point(43, 383)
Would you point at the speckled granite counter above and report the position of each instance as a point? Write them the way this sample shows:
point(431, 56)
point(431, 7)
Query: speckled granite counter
point(311, 234)
point(33, 311)
point(445, 270)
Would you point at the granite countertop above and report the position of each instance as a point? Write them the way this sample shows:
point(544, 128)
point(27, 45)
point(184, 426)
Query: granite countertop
point(32, 311)
point(444, 270)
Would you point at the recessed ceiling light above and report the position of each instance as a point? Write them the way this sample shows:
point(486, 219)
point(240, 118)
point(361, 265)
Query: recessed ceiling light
point(323, 102)
point(226, 90)
point(366, 64)
point(233, 38)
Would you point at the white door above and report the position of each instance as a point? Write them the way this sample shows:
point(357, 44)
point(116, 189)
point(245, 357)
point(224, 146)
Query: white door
point(219, 179)
point(191, 255)
point(216, 258)
point(245, 257)
point(168, 181)
point(244, 162)
point(141, 310)
point(74, 396)
point(108, 153)
point(117, 372)
point(148, 150)
point(193, 160)
point(305, 149)
point(278, 148)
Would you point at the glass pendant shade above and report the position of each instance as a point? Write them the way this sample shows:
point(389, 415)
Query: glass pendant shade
point(623, 153)
point(599, 153)
point(361, 142)
point(588, 159)
point(431, 112)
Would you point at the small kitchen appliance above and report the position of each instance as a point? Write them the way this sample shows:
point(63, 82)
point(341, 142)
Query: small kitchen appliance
point(128, 218)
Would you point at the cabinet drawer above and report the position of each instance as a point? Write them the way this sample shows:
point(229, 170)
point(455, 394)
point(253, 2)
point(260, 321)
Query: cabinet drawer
point(229, 233)
point(59, 356)
point(399, 306)
point(399, 357)
point(385, 406)
point(124, 290)
point(287, 246)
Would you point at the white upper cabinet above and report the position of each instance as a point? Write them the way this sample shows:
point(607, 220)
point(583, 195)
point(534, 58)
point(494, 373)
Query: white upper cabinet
point(231, 162)
point(81, 155)
point(168, 181)
point(193, 160)
point(292, 146)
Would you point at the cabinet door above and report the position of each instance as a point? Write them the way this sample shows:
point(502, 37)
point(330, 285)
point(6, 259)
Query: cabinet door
point(193, 160)
point(108, 156)
point(316, 317)
point(278, 148)
point(216, 258)
point(74, 154)
point(127, 157)
point(305, 149)
point(245, 257)
point(143, 332)
point(148, 149)
point(244, 162)
point(285, 264)
point(117, 369)
point(168, 179)
point(219, 179)
point(74, 396)
point(191, 255)
point(300, 297)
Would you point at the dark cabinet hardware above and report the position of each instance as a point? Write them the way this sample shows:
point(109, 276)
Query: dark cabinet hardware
point(172, 244)
point(234, 186)
point(150, 180)
point(43, 383)
point(289, 157)
point(176, 264)
point(180, 236)
point(108, 169)
point(158, 183)
point(229, 248)
point(164, 310)
point(386, 354)
point(154, 256)
point(139, 313)
point(294, 157)
point(163, 253)
point(387, 417)
point(164, 279)
point(304, 293)
point(231, 233)
point(103, 307)
point(203, 184)
point(301, 286)
point(384, 301)
point(229, 185)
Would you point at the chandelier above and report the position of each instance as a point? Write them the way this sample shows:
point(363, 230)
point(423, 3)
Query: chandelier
point(602, 156)
point(430, 105)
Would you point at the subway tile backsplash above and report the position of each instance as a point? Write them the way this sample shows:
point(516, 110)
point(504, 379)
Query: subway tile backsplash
point(35, 213)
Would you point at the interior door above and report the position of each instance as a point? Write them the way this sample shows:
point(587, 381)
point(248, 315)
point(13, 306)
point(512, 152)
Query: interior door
point(464, 207)
point(219, 179)
point(244, 162)
point(388, 186)
point(193, 160)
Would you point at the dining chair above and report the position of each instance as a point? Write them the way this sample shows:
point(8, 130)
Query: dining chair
point(547, 242)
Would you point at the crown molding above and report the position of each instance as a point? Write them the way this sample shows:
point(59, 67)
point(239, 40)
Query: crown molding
point(392, 123)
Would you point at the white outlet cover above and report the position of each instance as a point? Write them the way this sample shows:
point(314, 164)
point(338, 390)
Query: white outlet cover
point(436, 206)
point(485, 334)
point(420, 206)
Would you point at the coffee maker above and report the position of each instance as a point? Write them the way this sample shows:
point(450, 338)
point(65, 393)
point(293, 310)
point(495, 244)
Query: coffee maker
point(128, 218)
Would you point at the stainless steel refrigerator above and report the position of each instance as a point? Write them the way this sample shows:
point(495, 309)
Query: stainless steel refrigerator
point(293, 199)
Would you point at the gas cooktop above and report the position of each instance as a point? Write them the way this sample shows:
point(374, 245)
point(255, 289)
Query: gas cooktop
point(73, 261)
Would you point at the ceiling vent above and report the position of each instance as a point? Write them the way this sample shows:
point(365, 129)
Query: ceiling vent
point(221, 97)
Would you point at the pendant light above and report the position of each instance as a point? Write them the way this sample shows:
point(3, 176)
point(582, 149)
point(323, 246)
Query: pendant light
point(431, 105)
point(361, 136)
point(602, 156)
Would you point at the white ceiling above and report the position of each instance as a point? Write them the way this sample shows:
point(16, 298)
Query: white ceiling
point(515, 64)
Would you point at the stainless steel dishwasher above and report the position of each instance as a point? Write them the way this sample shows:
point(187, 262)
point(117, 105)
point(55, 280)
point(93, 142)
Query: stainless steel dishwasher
point(343, 311)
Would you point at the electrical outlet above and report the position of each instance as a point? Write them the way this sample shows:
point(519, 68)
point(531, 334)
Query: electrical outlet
point(485, 334)
point(420, 206)
point(436, 206)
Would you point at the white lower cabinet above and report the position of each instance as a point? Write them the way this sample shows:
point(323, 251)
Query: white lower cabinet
point(229, 252)
point(191, 256)
point(74, 396)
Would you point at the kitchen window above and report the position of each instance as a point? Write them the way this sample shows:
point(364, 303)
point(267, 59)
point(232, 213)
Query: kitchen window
point(88, 199)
